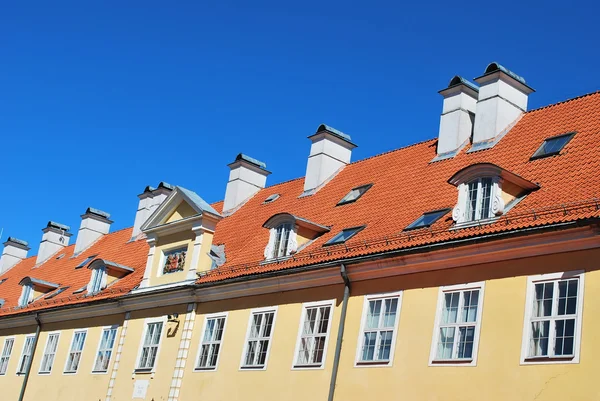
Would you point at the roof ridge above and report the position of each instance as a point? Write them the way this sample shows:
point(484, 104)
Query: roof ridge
point(596, 92)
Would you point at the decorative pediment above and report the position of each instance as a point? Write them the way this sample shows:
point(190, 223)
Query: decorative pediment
point(280, 218)
point(181, 208)
point(116, 267)
point(38, 284)
point(481, 170)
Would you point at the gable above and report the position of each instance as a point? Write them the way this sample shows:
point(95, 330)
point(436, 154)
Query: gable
point(182, 211)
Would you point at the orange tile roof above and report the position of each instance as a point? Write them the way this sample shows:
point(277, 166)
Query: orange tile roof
point(405, 185)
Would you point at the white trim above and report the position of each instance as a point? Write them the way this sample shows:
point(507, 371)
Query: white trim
point(246, 338)
point(72, 372)
point(366, 299)
point(112, 350)
point(206, 317)
point(14, 338)
point(306, 305)
point(47, 372)
point(147, 321)
point(438, 316)
point(22, 354)
point(531, 281)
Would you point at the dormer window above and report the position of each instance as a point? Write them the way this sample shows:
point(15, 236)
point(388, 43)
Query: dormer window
point(26, 295)
point(486, 191)
point(98, 280)
point(479, 199)
point(287, 232)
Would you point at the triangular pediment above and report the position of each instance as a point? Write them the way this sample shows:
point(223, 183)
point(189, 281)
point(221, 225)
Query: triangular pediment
point(181, 204)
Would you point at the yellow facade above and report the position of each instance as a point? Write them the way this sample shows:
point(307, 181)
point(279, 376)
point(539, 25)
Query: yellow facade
point(498, 374)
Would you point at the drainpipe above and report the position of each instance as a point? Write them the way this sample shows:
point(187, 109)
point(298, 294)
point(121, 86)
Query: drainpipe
point(340, 336)
point(33, 348)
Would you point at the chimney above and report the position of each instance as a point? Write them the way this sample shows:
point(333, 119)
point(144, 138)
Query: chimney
point(55, 237)
point(330, 150)
point(150, 199)
point(502, 99)
point(458, 113)
point(15, 250)
point(247, 176)
point(94, 224)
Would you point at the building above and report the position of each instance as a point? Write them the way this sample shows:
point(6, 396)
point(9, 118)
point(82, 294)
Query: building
point(460, 268)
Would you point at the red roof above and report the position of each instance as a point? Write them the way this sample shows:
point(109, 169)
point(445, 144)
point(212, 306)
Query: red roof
point(405, 185)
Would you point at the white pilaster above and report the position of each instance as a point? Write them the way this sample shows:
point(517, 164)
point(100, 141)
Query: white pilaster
point(149, 262)
point(199, 232)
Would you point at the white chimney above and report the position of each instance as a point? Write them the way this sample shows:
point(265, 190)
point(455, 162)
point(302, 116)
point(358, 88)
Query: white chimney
point(56, 236)
point(150, 199)
point(94, 224)
point(502, 99)
point(458, 113)
point(330, 150)
point(15, 250)
point(247, 176)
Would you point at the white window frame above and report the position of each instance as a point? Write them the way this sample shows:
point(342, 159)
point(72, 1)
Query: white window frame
point(479, 200)
point(433, 361)
point(4, 357)
point(26, 295)
point(94, 279)
point(48, 371)
point(163, 255)
point(71, 351)
point(292, 244)
point(224, 315)
point(111, 350)
point(359, 345)
point(147, 322)
point(552, 277)
point(19, 371)
point(305, 306)
point(253, 312)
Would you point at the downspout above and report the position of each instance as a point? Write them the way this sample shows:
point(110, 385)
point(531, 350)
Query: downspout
point(33, 348)
point(340, 336)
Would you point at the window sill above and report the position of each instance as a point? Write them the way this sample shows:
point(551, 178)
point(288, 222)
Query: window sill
point(312, 366)
point(381, 363)
point(70, 372)
point(448, 362)
point(257, 367)
point(207, 369)
point(143, 371)
point(550, 359)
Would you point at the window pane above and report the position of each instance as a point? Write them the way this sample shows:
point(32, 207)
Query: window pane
point(368, 352)
point(389, 318)
point(323, 319)
point(465, 342)
point(472, 201)
point(486, 192)
point(446, 343)
point(565, 335)
point(469, 312)
point(373, 314)
point(385, 345)
point(542, 304)
point(450, 308)
point(539, 338)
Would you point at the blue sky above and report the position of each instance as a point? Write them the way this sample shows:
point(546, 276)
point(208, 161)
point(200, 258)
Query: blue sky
point(100, 99)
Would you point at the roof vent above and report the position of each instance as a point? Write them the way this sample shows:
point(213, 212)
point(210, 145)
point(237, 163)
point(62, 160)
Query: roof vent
point(271, 198)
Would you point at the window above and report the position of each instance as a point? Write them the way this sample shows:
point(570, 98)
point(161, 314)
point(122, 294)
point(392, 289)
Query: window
point(98, 280)
point(552, 146)
point(210, 345)
point(107, 341)
point(344, 235)
point(354, 194)
point(313, 335)
point(427, 219)
point(49, 353)
point(75, 353)
point(282, 240)
point(5, 356)
point(85, 261)
point(26, 354)
point(271, 198)
point(26, 295)
point(377, 334)
point(553, 318)
point(479, 199)
point(150, 345)
point(458, 321)
point(174, 260)
point(258, 339)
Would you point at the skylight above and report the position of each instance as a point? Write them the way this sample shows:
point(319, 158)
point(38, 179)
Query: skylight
point(55, 293)
point(271, 198)
point(85, 262)
point(82, 289)
point(427, 219)
point(552, 146)
point(344, 235)
point(354, 194)
point(62, 255)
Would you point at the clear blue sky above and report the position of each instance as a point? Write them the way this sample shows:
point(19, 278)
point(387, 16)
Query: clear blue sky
point(100, 99)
